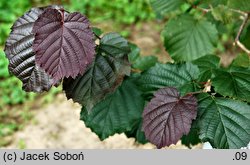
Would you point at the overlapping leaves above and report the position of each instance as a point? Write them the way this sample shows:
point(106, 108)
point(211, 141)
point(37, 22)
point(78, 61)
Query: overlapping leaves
point(168, 117)
point(181, 76)
point(37, 42)
point(49, 44)
point(207, 65)
point(18, 50)
point(192, 138)
point(137, 133)
point(102, 77)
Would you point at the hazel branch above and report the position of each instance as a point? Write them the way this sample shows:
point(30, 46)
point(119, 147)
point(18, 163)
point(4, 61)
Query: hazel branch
point(237, 39)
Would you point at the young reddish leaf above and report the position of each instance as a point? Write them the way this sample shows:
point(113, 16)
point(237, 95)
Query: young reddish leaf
point(18, 50)
point(64, 43)
point(168, 117)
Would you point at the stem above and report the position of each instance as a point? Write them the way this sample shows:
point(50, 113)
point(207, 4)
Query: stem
point(193, 6)
point(97, 36)
point(243, 25)
point(238, 11)
point(237, 39)
point(135, 70)
point(203, 10)
point(193, 93)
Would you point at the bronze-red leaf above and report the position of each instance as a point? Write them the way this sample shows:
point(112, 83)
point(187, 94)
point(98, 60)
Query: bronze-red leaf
point(64, 43)
point(168, 117)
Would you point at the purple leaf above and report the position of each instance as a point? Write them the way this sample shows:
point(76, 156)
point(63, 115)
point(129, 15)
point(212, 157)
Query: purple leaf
point(18, 49)
point(168, 117)
point(64, 43)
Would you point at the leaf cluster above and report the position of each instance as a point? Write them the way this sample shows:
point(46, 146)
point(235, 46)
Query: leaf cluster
point(190, 35)
point(193, 99)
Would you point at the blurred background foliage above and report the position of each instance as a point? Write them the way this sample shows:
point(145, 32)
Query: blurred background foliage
point(15, 104)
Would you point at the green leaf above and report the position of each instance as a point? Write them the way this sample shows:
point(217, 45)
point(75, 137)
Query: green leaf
point(162, 7)
point(97, 31)
point(117, 113)
point(187, 38)
point(233, 83)
point(138, 62)
point(241, 60)
point(193, 136)
point(144, 63)
point(206, 66)
point(207, 62)
point(137, 133)
point(101, 78)
point(114, 44)
point(243, 5)
point(134, 54)
point(225, 123)
point(180, 76)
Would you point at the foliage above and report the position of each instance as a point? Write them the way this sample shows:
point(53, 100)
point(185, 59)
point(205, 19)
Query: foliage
point(10, 87)
point(103, 76)
point(159, 102)
point(191, 35)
